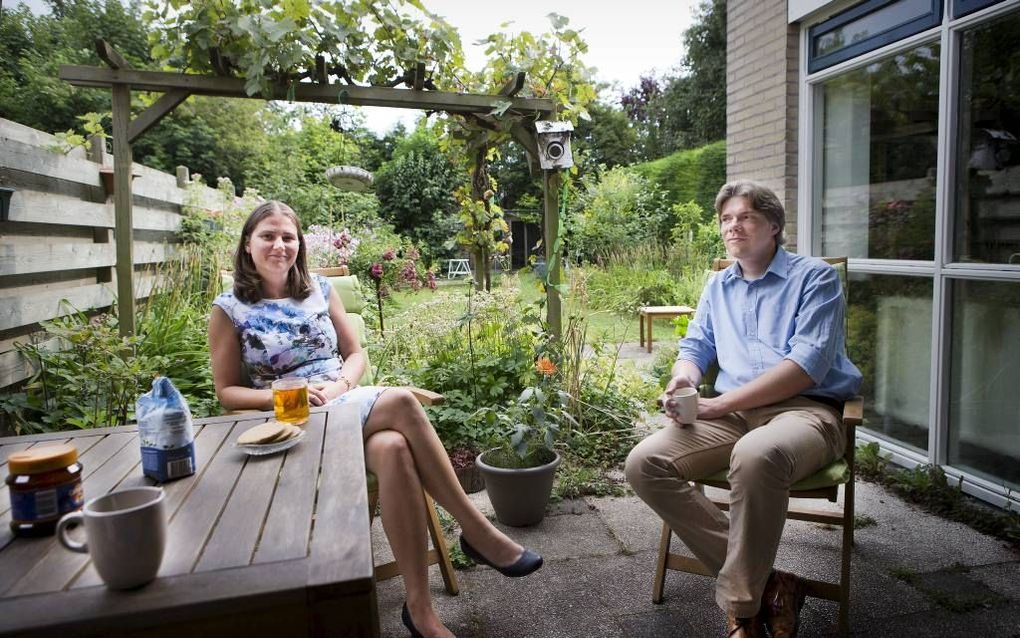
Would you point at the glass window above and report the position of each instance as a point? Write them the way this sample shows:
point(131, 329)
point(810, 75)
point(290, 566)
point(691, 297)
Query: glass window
point(984, 405)
point(987, 216)
point(889, 340)
point(963, 7)
point(868, 26)
point(879, 148)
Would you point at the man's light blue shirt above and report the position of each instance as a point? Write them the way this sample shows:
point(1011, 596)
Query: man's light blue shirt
point(795, 311)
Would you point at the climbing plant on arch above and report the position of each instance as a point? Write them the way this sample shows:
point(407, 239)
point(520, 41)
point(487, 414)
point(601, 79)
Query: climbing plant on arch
point(307, 51)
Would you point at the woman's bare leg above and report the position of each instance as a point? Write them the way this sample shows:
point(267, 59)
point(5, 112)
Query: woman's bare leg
point(403, 516)
point(398, 410)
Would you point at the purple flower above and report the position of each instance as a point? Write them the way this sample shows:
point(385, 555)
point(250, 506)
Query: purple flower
point(377, 271)
point(389, 255)
point(431, 279)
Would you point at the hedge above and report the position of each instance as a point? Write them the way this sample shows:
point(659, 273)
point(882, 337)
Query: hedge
point(694, 174)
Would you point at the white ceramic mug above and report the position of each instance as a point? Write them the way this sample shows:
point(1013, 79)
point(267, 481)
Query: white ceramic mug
point(125, 534)
point(683, 405)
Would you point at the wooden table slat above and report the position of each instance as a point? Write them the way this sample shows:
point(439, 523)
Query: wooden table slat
point(233, 542)
point(341, 542)
point(207, 441)
point(14, 565)
point(288, 527)
point(7, 450)
point(190, 527)
point(59, 567)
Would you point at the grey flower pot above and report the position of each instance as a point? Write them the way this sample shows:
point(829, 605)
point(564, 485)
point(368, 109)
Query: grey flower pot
point(519, 496)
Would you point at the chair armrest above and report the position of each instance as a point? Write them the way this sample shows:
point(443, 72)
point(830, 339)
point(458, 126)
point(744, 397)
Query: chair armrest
point(426, 397)
point(853, 411)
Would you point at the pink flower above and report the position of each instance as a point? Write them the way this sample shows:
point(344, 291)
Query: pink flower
point(389, 255)
point(377, 271)
point(412, 253)
point(431, 280)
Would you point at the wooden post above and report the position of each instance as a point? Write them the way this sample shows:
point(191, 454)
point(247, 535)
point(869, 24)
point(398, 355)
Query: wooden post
point(551, 220)
point(123, 231)
point(183, 177)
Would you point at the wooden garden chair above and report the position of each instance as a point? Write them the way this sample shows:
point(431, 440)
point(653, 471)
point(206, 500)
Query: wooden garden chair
point(823, 484)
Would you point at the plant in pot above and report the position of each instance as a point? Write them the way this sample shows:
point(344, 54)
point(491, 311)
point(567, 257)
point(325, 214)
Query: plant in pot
point(519, 471)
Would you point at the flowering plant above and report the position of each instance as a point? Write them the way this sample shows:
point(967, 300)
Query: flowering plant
point(532, 422)
point(327, 248)
point(391, 272)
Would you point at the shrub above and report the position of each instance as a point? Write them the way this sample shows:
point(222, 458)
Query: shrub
point(690, 175)
point(615, 210)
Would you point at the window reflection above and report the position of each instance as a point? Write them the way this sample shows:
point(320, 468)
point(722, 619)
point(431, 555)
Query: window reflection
point(889, 339)
point(988, 163)
point(984, 408)
point(879, 149)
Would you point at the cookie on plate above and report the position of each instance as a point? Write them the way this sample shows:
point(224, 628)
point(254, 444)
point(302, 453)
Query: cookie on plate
point(268, 432)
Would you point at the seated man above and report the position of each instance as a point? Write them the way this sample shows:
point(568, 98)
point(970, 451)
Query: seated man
point(774, 323)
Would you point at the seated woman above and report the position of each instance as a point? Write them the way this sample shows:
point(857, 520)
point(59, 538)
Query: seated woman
point(279, 321)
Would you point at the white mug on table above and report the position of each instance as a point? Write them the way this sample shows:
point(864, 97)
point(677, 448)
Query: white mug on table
point(125, 534)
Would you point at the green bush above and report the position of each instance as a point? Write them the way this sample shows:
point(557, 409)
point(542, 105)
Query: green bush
point(691, 175)
point(616, 209)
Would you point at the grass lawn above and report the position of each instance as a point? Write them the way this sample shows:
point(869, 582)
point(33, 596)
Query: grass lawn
point(613, 327)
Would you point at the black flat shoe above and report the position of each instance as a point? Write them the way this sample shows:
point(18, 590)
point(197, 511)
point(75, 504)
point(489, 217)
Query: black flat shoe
point(405, 617)
point(527, 563)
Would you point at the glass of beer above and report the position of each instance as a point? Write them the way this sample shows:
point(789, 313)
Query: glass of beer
point(290, 400)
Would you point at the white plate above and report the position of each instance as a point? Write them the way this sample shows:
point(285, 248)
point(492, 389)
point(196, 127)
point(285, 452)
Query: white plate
point(259, 449)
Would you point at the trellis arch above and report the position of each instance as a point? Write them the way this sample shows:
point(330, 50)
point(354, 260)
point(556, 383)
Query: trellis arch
point(122, 79)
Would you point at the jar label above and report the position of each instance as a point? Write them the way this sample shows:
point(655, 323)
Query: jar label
point(46, 504)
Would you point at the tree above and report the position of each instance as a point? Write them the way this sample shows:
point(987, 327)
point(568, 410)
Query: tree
point(688, 108)
point(415, 191)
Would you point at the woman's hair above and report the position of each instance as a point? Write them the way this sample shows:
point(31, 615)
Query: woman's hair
point(761, 198)
point(247, 282)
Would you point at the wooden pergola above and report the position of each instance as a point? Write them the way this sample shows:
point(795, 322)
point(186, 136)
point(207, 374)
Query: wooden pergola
point(122, 79)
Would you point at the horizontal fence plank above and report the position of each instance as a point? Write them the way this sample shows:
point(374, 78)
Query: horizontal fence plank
point(14, 367)
point(22, 259)
point(32, 159)
point(48, 208)
point(24, 310)
point(10, 130)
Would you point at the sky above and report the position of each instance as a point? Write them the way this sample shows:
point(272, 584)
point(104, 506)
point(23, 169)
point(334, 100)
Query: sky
point(625, 40)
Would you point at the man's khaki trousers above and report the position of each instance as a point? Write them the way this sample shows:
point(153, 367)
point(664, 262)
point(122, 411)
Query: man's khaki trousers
point(767, 449)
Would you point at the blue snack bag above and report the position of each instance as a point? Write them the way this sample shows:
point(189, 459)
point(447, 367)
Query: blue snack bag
point(166, 432)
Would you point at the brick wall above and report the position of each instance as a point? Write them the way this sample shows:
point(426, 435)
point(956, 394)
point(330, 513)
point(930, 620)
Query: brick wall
point(761, 100)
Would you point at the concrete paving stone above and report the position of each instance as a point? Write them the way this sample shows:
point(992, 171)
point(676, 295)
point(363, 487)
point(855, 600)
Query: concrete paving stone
point(564, 536)
point(459, 613)
point(662, 623)
point(561, 600)
point(1001, 577)
point(630, 520)
point(1002, 622)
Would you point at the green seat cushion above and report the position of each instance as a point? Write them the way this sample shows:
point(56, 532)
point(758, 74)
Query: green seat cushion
point(835, 473)
point(349, 289)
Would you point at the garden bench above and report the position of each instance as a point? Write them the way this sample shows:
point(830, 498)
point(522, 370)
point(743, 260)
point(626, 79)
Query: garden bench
point(647, 313)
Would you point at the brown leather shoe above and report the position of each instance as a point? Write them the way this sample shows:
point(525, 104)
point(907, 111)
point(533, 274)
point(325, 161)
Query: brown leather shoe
point(745, 627)
point(781, 604)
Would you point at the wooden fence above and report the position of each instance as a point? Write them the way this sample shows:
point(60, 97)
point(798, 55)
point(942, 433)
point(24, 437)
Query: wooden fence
point(56, 233)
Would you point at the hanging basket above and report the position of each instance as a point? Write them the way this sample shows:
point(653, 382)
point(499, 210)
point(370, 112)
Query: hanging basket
point(349, 178)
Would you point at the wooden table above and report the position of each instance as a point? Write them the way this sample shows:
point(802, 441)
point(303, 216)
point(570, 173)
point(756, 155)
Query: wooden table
point(272, 545)
point(647, 313)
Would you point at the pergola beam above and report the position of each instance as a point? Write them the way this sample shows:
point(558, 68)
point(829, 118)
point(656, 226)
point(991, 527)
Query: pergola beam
point(162, 81)
point(156, 112)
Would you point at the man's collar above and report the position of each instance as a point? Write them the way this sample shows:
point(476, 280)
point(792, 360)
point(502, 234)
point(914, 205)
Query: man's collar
point(779, 266)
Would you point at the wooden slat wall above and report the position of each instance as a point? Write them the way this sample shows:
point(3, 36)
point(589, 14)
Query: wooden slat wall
point(56, 244)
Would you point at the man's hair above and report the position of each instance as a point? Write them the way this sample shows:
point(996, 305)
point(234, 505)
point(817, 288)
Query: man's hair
point(247, 282)
point(761, 198)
